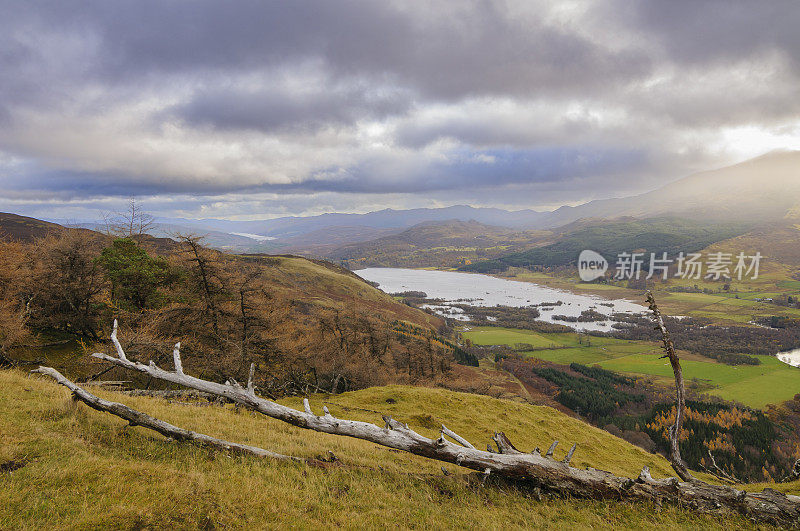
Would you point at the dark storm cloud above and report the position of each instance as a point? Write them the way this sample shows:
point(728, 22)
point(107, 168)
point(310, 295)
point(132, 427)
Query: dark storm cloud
point(354, 97)
point(271, 110)
point(445, 50)
point(468, 169)
point(711, 31)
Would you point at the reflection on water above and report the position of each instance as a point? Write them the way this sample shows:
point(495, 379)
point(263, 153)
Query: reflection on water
point(483, 290)
point(792, 357)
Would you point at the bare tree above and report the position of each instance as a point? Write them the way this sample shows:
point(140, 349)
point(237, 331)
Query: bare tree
point(207, 273)
point(131, 223)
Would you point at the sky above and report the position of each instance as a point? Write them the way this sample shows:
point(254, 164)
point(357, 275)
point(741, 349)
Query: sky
point(259, 109)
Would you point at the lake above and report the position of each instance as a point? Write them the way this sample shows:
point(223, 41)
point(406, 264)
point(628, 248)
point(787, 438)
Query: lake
point(791, 357)
point(483, 290)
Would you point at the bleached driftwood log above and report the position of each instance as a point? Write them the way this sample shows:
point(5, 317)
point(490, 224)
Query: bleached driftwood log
point(137, 418)
point(545, 473)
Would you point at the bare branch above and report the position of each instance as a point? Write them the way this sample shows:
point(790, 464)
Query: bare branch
point(176, 358)
point(551, 449)
point(720, 473)
point(675, 430)
point(568, 458)
point(456, 437)
point(115, 341)
point(504, 445)
point(250, 384)
point(137, 418)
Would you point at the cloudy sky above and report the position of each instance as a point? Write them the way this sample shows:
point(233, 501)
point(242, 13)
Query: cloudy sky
point(256, 109)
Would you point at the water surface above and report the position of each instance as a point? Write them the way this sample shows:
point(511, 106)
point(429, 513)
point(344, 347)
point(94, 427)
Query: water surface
point(483, 290)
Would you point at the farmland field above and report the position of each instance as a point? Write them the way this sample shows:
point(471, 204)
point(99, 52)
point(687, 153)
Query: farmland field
point(756, 386)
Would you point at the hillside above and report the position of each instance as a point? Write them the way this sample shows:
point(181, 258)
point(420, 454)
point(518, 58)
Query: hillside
point(306, 323)
point(437, 244)
point(610, 238)
point(65, 466)
point(778, 243)
point(766, 188)
point(328, 285)
point(22, 228)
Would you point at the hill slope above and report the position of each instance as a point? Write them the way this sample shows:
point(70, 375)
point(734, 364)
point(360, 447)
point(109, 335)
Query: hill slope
point(82, 469)
point(437, 243)
point(23, 228)
point(610, 238)
point(762, 189)
point(325, 284)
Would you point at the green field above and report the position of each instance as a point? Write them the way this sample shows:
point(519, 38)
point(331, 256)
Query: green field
point(756, 386)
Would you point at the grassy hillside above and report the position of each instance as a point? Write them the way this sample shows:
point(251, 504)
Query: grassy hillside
point(81, 469)
point(326, 284)
point(778, 243)
point(22, 228)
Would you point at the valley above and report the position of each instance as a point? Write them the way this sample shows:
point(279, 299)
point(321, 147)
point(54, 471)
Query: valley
point(399, 265)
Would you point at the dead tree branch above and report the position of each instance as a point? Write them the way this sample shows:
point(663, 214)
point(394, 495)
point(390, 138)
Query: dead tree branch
point(137, 418)
point(545, 473)
point(675, 430)
point(718, 472)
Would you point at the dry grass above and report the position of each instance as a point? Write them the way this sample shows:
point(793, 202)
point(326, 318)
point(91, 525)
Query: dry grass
point(87, 470)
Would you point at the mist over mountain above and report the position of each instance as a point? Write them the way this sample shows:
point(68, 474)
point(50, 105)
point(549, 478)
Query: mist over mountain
point(763, 189)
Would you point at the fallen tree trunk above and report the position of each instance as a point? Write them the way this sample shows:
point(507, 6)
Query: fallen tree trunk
point(137, 418)
point(544, 472)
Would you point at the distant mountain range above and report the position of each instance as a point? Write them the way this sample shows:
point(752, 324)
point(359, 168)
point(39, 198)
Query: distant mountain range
point(287, 227)
point(764, 189)
point(438, 244)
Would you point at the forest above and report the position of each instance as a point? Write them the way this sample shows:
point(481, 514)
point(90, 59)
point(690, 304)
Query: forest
point(747, 444)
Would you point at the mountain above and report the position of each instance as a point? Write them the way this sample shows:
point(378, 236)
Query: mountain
point(763, 189)
point(287, 227)
point(610, 238)
point(322, 242)
point(437, 244)
point(22, 228)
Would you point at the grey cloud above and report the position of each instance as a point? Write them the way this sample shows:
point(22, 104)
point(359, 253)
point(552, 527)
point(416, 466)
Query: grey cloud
point(449, 51)
point(356, 97)
point(270, 109)
point(713, 31)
